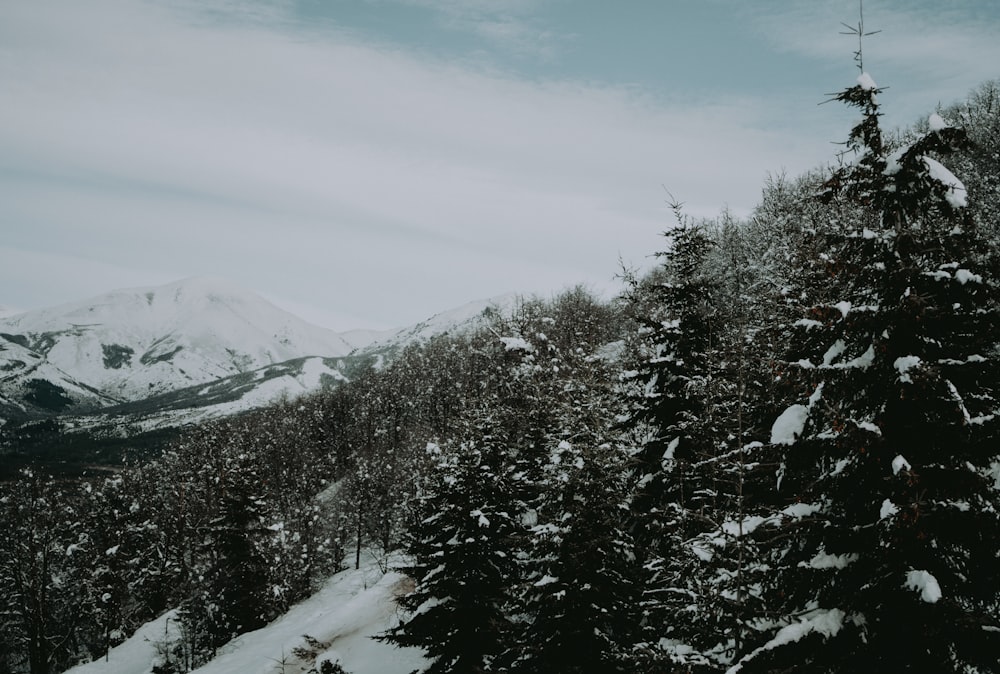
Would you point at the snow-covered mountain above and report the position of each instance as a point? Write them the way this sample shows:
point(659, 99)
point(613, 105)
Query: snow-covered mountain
point(131, 344)
point(221, 398)
point(29, 384)
point(146, 360)
point(466, 317)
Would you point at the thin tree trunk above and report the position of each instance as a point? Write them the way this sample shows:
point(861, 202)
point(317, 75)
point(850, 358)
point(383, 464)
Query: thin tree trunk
point(357, 548)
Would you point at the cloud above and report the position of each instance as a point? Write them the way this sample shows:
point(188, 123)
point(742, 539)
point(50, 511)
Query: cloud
point(362, 180)
point(925, 52)
point(38, 276)
point(510, 25)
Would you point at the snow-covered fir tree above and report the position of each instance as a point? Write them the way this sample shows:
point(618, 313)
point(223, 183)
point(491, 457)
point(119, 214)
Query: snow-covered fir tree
point(884, 557)
point(578, 604)
point(460, 546)
point(672, 385)
point(687, 471)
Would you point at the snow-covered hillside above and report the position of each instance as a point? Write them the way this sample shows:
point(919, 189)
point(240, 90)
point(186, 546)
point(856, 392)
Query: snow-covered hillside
point(466, 317)
point(145, 359)
point(29, 383)
point(130, 344)
point(220, 398)
point(342, 617)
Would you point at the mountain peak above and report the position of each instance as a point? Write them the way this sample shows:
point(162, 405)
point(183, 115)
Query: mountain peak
point(137, 342)
point(212, 287)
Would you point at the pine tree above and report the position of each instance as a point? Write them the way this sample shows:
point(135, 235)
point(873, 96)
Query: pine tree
point(225, 589)
point(885, 557)
point(460, 547)
point(580, 588)
point(239, 579)
point(686, 473)
point(672, 381)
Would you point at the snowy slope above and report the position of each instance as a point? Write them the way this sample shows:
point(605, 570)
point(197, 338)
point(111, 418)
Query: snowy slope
point(220, 398)
point(150, 359)
point(360, 339)
point(352, 607)
point(466, 317)
point(28, 383)
point(131, 344)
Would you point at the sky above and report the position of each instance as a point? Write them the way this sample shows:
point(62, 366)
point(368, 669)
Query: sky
point(368, 163)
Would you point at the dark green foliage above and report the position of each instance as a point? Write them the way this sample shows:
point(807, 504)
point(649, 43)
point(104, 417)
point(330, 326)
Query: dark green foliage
point(116, 356)
point(20, 340)
point(672, 384)
point(230, 594)
point(895, 566)
point(691, 414)
point(538, 383)
point(239, 579)
point(673, 388)
point(49, 447)
point(461, 545)
point(46, 395)
point(580, 598)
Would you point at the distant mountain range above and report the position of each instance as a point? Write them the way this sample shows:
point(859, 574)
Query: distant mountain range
point(147, 358)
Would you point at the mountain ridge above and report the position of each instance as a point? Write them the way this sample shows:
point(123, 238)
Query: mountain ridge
point(132, 343)
point(146, 360)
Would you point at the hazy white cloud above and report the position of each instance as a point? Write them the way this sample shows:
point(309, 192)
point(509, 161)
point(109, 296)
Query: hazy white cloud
point(40, 277)
point(144, 142)
point(924, 52)
point(508, 24)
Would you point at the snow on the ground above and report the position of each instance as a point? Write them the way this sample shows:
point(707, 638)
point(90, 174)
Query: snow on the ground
point(353, 606)
point(138, 653)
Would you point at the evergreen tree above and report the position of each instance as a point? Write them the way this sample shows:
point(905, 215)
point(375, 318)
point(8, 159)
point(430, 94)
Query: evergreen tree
point(461, 555)
point(885, 557)
point(687, 470)
point(580, 586)
point(672, 382)
point(239, 579)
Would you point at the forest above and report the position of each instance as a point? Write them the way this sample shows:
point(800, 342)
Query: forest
point(777, 451)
